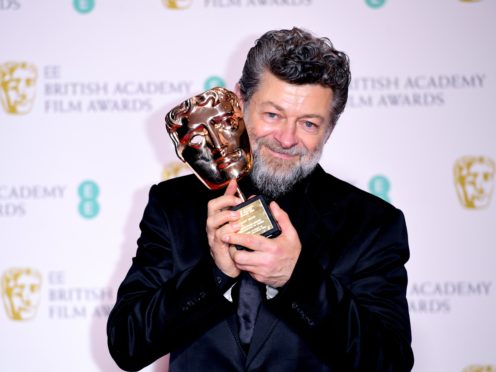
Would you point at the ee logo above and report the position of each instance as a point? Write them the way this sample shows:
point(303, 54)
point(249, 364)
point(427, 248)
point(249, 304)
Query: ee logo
point(88, 193)
point(380, 186)
point(214, 81)
point(83, 6)
point(375, 4)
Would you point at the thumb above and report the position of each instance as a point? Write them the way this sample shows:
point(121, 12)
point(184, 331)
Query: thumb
point(231, 187)
point(281, 217)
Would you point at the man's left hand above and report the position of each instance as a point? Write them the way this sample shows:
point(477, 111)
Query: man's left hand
point(271, 261)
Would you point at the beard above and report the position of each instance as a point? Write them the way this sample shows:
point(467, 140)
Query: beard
point(273, 176)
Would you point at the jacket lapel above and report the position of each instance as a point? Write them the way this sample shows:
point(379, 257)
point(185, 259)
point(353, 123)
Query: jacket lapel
point(313, 217)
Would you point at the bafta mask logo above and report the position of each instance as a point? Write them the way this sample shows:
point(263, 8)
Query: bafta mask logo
point(177, 4)
point(480, 368)
point(175, 169)
point(17, 87)
point(474, 180)
point(21, 292)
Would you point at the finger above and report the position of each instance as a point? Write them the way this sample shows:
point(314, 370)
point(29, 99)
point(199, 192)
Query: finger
point(232, 187)
point(221, 203)
point(250, 241)
point(281, 217)
point(219, 219)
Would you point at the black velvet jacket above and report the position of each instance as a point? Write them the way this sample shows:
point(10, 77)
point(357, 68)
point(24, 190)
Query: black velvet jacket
point(344, 308)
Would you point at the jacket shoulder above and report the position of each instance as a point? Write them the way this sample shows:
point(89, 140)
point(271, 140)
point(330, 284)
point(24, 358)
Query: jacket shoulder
point(353, 199)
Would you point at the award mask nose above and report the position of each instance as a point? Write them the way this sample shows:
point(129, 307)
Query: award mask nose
point(219, 147)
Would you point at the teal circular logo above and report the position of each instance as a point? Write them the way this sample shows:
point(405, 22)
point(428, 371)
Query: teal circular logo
point(83, 6)
point(379, 186)
point(214, 81)
point(88, 192)
point(375, 4)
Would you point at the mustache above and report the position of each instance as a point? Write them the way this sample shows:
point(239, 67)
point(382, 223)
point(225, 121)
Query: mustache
point(276, 147)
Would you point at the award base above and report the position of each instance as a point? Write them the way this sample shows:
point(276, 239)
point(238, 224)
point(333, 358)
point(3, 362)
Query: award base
point(256, 218)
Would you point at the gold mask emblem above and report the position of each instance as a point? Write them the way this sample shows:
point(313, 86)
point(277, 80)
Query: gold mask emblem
point(479, 368)
point(21, 292)
point(474, 181)
point(177, 4)
point(175, 169)
point(17, 87)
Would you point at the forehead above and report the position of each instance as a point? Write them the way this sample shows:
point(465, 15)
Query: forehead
point(481, 167)
point(301, 99)
point(23, 72)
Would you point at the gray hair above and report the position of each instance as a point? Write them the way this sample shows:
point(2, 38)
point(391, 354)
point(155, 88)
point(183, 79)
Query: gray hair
point(298, 57)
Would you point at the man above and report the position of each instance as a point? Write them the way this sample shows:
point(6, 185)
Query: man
point(334, 279)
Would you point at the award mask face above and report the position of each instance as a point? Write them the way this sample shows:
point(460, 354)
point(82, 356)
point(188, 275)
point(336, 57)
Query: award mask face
point(209, 133)
point(474, 180)
point(21, 292)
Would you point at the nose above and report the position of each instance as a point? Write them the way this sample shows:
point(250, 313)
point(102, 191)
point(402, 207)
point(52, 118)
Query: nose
point(286, 135)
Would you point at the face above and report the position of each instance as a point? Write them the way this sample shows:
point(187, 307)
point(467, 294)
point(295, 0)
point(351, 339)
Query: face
point(18, 88)
point(288, 126)
point(209, 134)
point(475, 181)
point(22, 294)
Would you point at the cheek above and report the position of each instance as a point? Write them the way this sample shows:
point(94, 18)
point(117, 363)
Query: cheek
point(258, 127)
point(311, 143)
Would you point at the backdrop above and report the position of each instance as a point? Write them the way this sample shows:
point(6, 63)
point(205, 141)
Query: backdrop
point(84, 87)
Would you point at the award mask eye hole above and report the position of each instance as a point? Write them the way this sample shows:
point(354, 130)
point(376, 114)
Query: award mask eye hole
point(196, 141)
point(229, 123)
point(233, 124)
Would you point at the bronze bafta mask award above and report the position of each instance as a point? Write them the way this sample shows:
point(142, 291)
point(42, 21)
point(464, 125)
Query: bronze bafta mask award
point(209, 134)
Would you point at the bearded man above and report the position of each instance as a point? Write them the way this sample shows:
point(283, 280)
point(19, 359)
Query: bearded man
point(330, 288)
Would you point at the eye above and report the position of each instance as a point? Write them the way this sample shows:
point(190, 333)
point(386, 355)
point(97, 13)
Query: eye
point(310, 126)
point(271, 115)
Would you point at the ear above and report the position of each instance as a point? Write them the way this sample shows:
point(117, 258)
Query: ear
point(237, 91)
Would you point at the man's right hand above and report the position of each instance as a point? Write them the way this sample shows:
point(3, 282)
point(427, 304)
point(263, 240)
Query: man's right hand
point(222, 221)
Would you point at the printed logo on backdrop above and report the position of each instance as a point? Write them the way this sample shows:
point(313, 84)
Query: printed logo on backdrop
point(441, 297)
point(76, 301)
point(213, 82)
point(185, 4)
point(17, 200)
point(23, 298)
point(375, 4)
point(434, 90)
point(88, 192)
point(66, 96)
point(480, 368)
point(379, 186)
point(177, 4)
point(83, 6)
point(175, 169)
point(21, 293)
point(474, 181)
point(17, 87)
point(9, 5)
